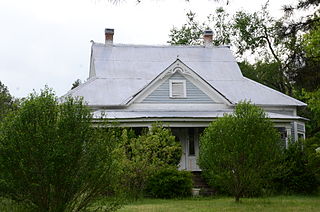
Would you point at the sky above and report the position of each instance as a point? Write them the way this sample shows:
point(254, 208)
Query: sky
point(47, 42)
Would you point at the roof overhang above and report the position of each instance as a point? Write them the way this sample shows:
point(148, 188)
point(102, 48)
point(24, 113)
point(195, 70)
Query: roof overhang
point(176, 118)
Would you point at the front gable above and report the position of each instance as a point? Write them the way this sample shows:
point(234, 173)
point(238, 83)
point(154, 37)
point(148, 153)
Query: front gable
point(191, 93)
point(179, 84)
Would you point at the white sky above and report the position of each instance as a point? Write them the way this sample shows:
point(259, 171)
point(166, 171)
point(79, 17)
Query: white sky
point(47, 42)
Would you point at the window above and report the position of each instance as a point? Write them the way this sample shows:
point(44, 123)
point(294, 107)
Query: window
point(283, 132)
point(178, 89)
point(283, 135)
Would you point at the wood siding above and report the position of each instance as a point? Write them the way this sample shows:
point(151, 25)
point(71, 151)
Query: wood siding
point(162, 95)
point(284, 112)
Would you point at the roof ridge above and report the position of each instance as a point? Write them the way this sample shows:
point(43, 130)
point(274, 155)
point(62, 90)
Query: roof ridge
point(158, 46)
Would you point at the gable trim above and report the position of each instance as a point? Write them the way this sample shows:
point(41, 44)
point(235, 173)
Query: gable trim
point(176, 66)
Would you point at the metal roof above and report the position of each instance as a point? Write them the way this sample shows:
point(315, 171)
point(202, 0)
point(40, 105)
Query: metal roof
point(118, 72)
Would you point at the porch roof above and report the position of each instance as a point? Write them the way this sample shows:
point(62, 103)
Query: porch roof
point(118, 115)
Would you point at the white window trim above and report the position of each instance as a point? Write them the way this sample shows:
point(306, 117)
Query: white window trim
point(184, 88)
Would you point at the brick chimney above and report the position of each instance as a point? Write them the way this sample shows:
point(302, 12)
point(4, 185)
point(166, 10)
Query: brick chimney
point(109, 36)
point(207, 37)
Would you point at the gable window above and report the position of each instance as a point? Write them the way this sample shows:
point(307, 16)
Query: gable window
point(178, 89)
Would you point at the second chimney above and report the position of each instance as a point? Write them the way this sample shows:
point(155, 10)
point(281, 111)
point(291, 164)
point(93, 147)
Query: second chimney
point(109, 36)
point(207, 37)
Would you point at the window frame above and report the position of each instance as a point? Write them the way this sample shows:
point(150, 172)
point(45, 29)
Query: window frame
point(184, 89)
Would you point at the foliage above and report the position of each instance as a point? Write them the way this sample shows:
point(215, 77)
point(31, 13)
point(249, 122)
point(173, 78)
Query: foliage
point(170, 183)
point(76, 84)
point(266, 73)
point(52, 159)
point(276, 43)
point(7, 103)
point(308, 75)
point(145, 154)
point(313, 99)
point(280, 41)
point(159, 146)
point(260, 34)
point(298, 170)
point(311, 42)
point(252, 31)
point(311, 112)
point(237, 151)
point(191, 32)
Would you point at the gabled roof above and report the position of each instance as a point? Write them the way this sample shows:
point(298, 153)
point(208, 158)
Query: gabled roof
point(179, 67)
point(119, 72)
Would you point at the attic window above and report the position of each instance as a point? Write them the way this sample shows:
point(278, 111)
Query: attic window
point(178, 89)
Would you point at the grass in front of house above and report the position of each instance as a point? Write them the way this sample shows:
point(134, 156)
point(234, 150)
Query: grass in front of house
point(270, 204)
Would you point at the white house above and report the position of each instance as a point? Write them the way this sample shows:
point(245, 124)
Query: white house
point(184, 87)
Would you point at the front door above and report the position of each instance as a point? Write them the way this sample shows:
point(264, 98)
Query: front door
point(192, 149)
point(189, 139)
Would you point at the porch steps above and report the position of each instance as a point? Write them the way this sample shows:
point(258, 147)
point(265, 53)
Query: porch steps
point(199, 182)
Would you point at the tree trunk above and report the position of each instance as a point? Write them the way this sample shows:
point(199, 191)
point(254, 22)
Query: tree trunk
point(237, 198)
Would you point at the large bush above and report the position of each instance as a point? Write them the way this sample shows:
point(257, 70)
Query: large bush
point(236, 151)
point(170, 183)
point(52, 159)
point(145, 154)
point(298, 171)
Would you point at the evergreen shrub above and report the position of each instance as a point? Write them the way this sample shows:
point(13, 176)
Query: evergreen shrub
point(170, 183)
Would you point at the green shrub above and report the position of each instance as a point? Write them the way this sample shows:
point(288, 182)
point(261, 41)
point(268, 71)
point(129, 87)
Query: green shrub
point(52, 159)
point(170, 183)
point(237, 151)
point(144, 154)
point(298, 170)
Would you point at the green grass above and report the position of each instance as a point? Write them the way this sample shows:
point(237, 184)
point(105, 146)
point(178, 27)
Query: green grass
point(272, 204)
point(269, 204)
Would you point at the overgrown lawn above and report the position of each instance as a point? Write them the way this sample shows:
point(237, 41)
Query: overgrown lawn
point(269, 204)
point(272, 204)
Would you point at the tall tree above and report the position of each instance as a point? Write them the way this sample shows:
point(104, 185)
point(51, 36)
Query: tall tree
point(261, 35)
